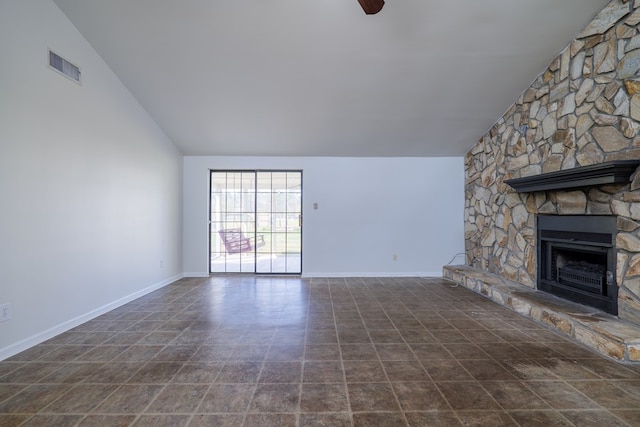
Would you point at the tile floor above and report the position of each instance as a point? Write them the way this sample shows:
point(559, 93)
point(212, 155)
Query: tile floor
point(285, 351)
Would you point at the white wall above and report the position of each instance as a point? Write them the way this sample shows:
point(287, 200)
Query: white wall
point(90, 188)
point(369, 209)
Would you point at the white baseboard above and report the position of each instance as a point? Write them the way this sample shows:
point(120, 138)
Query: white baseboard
point(195, 274)
point(41, 337)
point(346, 274)
point(374, 274)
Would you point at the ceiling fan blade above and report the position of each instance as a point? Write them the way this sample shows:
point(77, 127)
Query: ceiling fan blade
point(371, 7)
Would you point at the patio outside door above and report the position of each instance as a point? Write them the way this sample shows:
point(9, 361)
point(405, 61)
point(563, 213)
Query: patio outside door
point(256, 222)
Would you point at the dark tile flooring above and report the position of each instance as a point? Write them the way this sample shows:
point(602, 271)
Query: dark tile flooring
point(285, 351)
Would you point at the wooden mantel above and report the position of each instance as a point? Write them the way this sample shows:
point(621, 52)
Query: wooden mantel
point(614, 172)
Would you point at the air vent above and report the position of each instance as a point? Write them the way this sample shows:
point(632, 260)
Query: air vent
point(65, 67)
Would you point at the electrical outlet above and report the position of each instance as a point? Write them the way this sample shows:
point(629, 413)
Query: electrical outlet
point(5, 312)
point(395, 257)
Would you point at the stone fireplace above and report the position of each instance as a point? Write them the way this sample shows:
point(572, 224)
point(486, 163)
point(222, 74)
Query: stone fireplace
point(581, 114)
point(577, 254)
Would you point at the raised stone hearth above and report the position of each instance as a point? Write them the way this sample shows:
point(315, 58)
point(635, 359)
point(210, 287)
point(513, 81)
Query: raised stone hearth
point(599, 331)
point(581, 113)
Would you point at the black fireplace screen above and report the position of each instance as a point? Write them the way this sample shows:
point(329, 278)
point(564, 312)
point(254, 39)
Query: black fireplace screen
point(584, 275)
point(576, 259)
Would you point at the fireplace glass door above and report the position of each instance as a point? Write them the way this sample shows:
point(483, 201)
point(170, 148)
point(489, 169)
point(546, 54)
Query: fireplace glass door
point(578, 266)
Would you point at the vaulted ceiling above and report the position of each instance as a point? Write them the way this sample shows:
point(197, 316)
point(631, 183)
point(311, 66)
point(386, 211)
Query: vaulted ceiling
point(321, 78)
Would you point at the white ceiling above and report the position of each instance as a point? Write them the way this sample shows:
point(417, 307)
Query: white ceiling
point(321, 78)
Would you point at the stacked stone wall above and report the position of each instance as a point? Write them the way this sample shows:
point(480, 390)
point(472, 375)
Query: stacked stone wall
point(584, 109)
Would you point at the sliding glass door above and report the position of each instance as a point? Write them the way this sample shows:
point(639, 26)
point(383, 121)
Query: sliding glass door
point(256, 222)
point(279, 220)
point(232, 222)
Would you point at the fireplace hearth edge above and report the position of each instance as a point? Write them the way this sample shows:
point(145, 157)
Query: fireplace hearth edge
point(602, 332)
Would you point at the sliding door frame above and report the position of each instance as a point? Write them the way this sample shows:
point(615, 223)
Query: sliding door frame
point(255, 235)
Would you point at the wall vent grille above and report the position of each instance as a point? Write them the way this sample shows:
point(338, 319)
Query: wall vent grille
point(63, 66)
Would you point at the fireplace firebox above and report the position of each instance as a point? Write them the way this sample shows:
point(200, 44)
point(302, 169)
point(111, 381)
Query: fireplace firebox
point(577, 259)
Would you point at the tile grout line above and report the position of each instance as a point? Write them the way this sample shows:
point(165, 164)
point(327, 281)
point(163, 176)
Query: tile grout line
point(344, 372)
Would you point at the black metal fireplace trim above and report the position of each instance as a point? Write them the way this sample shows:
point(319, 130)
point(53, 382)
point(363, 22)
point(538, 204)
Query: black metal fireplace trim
point(590, 230)
point(618, 171)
